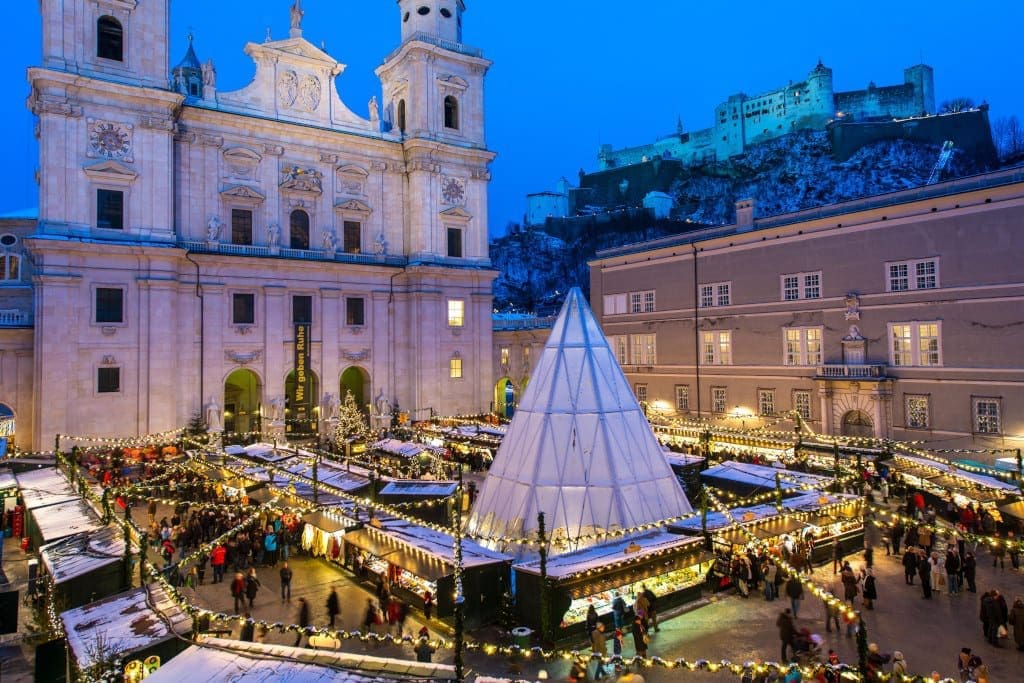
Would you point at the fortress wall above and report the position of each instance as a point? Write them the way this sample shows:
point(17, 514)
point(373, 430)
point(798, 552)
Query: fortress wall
point(969, 131)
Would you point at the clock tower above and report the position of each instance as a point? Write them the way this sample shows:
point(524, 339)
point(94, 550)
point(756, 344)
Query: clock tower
point(433, 87)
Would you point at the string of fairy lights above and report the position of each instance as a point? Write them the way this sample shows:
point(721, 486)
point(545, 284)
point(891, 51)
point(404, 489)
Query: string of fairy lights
point(935, 529)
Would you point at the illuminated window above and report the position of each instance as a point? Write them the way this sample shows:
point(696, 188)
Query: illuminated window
point(718, 399)
point(915, 344)
point(803, 346)
point(916, 411)
point(802, 403)
point(682, 397)
point(766, 401)
point(456, 313)
point(643, 349)
point(455, 368)
point(505, 356)
point(641, 392)
point(717, 348)
point(986, 415)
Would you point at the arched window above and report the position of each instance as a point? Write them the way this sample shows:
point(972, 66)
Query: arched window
point(109, 39)
point(451, 112)
point(299, 222)
point(401, 115)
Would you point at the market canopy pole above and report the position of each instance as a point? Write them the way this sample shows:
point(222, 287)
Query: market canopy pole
point(459, 597)
point(545, 617)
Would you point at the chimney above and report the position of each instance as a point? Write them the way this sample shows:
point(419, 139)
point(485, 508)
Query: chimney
point(744, 215)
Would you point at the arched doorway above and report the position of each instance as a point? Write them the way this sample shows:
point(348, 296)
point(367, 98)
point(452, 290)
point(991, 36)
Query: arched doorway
point(300, 417)
point(243, 396)
point(858, 423)
point(6, 427)
point(505, 397)
point(356, 380)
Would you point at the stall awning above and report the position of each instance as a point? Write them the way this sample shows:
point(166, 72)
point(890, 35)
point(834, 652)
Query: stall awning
point(980, 495)
point(65, 519)
point(1015, 510)
point(82, 553)
point(419, 564)
point(777, 527)
point(326, 522)
point(46, 486)
point(427, 489)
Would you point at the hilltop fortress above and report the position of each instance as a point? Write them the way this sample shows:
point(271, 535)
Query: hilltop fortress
point(741, 121)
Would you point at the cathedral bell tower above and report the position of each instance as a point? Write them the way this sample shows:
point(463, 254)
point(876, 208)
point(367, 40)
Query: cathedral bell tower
point(433, 88)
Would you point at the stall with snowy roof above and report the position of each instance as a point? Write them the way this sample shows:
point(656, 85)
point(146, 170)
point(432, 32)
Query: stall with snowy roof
point(435, 499)
point(831, 519)
point(86, 566)
point(940, 482)
point(133, 625)
point(687, 468)
point(54, 522)
point(417, 559)
point(747, 479)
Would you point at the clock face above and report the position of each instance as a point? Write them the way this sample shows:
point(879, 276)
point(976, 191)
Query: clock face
point(453, 190)
point(109, 140)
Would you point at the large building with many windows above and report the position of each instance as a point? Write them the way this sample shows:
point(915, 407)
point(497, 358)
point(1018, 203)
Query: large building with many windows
point(253, 255)
point(899, 316)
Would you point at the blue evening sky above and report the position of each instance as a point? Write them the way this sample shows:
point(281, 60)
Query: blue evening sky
point(571, 74)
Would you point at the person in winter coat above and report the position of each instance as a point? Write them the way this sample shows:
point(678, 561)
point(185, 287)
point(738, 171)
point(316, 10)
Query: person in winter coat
point(899, 665)
point(652, 606)
point(870, 590)
point(270, 547)
point(639, 637)
point(424, 649)
point(795, 593)
point(252, 586)
point(990, 617)
point(303, 619)
point(970, 569)
point(286, 582)
point(238, 591)
point(1016, 620)
point(771, 571)
point(924, 570)
point(218, 560)
point(248, 633)
point(591, 620)
point(599, 646)
point(370, 617)
point(333, 605)
point(876, 662)
point(849, 579)
point(909, 566)
point(618, 610)
point(787, 632)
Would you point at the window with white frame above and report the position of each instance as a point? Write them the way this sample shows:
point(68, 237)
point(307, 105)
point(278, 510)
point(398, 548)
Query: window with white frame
point(916, 409)
point(915, 344)
point(987, 415)
point(641, 392)
point(456, 312)
point(614, 304)
point(682, 397)
point(907, 275)
point(802, 403)
point(642, 349)
point(619, 344)
point(766, 401)
point(802, 346)
point(716, 347)
point(641, 302)
point(716, 294)
point(649, 301)
point(797, 286)
point(718, 399)
point(10, 267)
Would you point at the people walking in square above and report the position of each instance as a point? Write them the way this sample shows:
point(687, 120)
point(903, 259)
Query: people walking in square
point(252, 586)
point(218, 560)
point(333, 605)
point(795, 593)
point(302, 620)
point(640, 637)
point(286, 582)
point(599, 646)
point(238, 591)
point(787, 633)
point(970, 569)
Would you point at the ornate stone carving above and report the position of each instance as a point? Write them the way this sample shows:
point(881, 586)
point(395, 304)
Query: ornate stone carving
point(273, 150)
point(327, 158)
point(453, 190)
point(852, 306)
point(301, 179)
point(356, 356)
point(379, 166)
point(243, 358)
point(241, 162)
point(242, 192)
point(309, 93)
point(62, 107)
point(287, 88)
point(424, 165)
point(480, 174)
point(110, 140)
point(158, 122)
point(211, 140)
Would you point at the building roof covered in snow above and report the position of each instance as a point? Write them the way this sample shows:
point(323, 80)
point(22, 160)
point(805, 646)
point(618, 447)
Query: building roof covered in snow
point(759, 475)
point(82, 553)
point(45, 486)
point(579, 448)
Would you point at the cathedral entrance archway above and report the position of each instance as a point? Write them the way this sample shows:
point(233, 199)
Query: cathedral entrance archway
point(243, 396)
point(356, 380)
point(857, 423)
point(505, 398)
point(300, 413)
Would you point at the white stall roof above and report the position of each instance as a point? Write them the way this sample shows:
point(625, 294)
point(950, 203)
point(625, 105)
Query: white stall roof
point(598, 556)
point(438, 544)
point(331, 474)
point(82, 553)
point(7, 480)
point(46, 486)
point(127, 623)
point(65, 519)
point(415, 487)
point(759, 475)
point(681, 459)
point(406, 449)
point(241, 662)
point(808, 502)
point(953, 470)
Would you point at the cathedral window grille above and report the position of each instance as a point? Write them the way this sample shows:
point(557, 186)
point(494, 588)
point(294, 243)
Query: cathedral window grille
point(243, 309)
point(986, 415)
point(241, 226)
point(109, 39)
point(917, 412)
point(718, 399)
point(451, 112)
point(299, 229)
point(802, 403)
point(353, 237)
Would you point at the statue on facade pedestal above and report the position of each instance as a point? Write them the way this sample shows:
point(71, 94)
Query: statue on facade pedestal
point(296, 20)
point(330, 241)
point(213, 416)
point(277, 410)
point(213, 227)
point(380, 245)
point(331, 406)
point(374, 110)
point(382, 405)
point(273, 234)
point(209, 74)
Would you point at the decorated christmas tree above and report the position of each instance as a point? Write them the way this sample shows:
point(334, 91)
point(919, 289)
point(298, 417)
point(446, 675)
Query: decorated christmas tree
point(351, 424)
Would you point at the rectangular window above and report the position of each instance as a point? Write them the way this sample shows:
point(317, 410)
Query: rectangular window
point(455, 368)
point(506, 356)
point(241, 226)
point(641, 393)
point(766, 401)
point(986, 416)
point(109, 305)
point(456, 313)
point(718, 400)
point(636, 302)
point(108, 380)
point(649, 301)
point(682, 397)
point(802, 403)
point(915, 344)
point(642, 349)
point(918, 274)
point(110, 209)
point(717, 348)
point(302, 309)
point(916, 408)
point(802, 346)
point(355, 311)
point(801, 286)
point(614, 304)
point(352, 235)
point(243, 309)
point(716, 294)
point(455, 242)
point(619, 347)
point(10, 267)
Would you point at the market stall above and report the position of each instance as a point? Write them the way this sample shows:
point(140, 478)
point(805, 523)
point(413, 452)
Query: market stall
point(831, 519)
point(745, 479)
point(54, 522)
point(687, 469)
point(323, 531)
point(417, 559)
point(140, 623)
point(674, 567)
point(436, 498)
point(45, 486)
point(86, 566)
point(939, 482)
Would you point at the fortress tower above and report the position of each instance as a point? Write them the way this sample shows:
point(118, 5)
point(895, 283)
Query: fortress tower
point(922, 77)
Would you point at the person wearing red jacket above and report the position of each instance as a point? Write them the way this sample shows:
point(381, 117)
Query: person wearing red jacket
point(218, 560)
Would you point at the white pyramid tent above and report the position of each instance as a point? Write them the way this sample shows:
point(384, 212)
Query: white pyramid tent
point(579, 448)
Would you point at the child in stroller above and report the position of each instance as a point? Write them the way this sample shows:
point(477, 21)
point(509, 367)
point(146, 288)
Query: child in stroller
point(807, 647)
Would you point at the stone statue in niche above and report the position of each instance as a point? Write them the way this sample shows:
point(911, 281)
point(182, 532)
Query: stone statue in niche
point(273, 234)
point(852, 306)
point(331, 406)
point(213, 227)
point(330, 240)
point(380, 245)
point(213, 416)
point(209, 74)
point(374, 110)
point(382, 404)
point(853, 334)
point(277, 409)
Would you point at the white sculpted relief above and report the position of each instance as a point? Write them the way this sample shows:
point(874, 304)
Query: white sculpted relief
point(309, 93)
point(287, 88)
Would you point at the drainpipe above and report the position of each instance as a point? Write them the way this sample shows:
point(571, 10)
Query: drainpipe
point(696, 325)
point(202, 332)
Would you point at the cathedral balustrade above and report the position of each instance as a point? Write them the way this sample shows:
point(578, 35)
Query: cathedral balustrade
point(297, 254)
point(12, 317)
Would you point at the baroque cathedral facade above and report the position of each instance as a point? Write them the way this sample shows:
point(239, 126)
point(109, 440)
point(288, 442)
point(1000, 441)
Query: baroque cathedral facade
point(252, 256)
